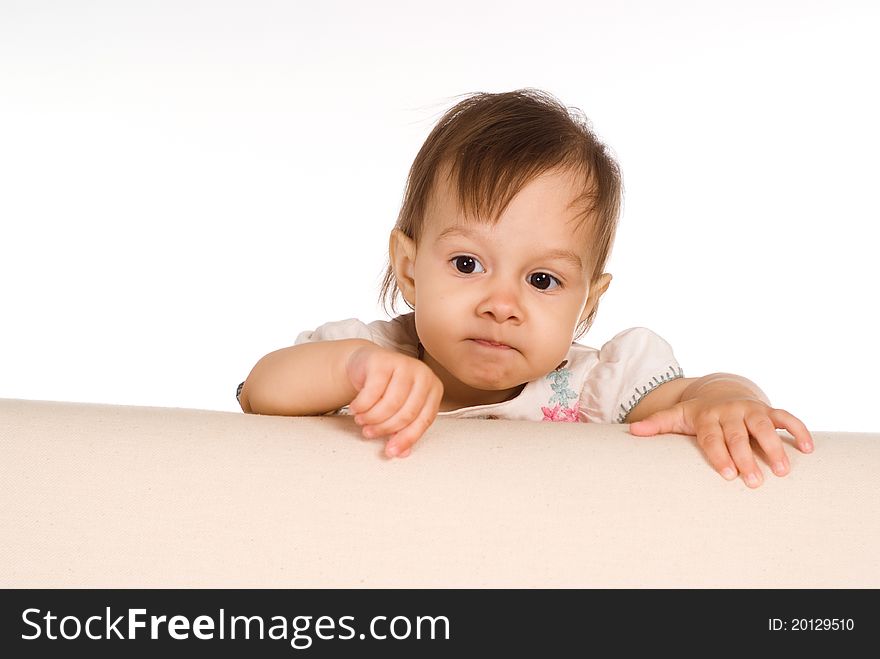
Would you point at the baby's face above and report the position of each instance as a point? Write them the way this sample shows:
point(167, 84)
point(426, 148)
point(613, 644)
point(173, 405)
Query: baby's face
point(522, 283)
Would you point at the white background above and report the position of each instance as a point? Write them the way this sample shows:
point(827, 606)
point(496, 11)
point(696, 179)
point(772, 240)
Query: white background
point(185, 186)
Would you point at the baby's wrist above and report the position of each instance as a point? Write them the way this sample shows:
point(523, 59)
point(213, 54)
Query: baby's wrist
point(720, 386)
point(360, 348)
point(352, 360)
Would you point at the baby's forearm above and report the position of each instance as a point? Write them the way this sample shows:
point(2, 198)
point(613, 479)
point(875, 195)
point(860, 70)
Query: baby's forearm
point(724, 385)
point(302, 380)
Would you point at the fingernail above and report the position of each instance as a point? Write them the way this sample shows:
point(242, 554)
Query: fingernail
point(728, 473)
point(752, 480)
point(368, 432)
point(391, 450)
point(406, 453)
point(808, 447)
point(779, 468)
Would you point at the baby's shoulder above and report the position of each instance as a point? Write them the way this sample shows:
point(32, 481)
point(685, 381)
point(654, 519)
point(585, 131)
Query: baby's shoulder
point(350, 328)
point(397, 334)
point(633, 339)
point(624, 350)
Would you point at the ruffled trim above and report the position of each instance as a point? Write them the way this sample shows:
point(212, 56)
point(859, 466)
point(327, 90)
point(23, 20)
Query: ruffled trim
point(672, 373)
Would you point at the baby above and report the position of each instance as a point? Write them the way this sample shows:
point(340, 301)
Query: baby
point(507, 223)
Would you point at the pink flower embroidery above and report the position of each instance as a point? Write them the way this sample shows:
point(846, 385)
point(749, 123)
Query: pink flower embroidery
point(559, 413)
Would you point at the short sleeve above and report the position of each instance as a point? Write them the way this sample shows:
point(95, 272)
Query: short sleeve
point(629, 366)
point(351, 328)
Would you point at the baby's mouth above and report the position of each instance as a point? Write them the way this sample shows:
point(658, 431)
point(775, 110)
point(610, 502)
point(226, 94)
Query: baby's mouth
point(492, 344)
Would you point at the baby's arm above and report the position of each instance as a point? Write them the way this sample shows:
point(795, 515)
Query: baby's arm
point(302, 380)
point(391, 394)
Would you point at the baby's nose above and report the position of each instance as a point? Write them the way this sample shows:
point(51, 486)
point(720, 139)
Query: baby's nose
point(501, 303)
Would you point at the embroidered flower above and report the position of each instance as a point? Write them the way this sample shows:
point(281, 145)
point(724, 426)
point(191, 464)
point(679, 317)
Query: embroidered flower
point(563, 393)
point(559, 413)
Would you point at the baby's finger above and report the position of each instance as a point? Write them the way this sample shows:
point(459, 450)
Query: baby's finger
point(802, 437)
point(373, 389)
point(762, 429)
point(710, 437)
point(395, 395)
point(401, 442)
point(737, 437)
point(406, 413)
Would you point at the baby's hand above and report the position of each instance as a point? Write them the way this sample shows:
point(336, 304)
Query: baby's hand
point(722, 428)
point(397, 396)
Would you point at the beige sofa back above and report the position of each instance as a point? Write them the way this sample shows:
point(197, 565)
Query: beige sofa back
point(118, 496)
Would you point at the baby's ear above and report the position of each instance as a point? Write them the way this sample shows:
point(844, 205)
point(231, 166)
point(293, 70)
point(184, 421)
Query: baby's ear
point(597, 289)
point(402, 254)
point(601, 285)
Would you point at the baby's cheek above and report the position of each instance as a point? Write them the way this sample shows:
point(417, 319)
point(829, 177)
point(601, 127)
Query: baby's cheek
point(552, 349)
point(426, 324)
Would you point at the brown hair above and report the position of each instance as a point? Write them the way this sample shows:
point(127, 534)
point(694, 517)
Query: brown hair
point(496, 144)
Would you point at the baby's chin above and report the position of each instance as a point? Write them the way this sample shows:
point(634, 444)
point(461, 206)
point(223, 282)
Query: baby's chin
point(495, 373)
point(489, 378)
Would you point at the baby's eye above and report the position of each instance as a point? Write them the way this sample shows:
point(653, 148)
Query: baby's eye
point(467, 264)
point(543, 281)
